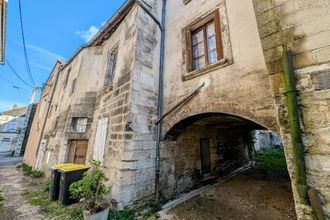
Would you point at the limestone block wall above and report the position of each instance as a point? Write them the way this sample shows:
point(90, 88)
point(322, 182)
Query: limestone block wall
point(302, 25)
point(130, 104)
point(181, 159)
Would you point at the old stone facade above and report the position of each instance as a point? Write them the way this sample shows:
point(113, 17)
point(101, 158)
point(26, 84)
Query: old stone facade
point(40, 117)
point(106, 97)
point(302, 26)
point(127, 106)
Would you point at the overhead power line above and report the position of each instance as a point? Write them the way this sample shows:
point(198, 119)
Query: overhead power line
point(24, 45)
point(18, 76)
point(13, 84)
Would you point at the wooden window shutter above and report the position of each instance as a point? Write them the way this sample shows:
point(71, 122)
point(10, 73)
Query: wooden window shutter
point(188, 50)
point(216, 17)
point(100, 139)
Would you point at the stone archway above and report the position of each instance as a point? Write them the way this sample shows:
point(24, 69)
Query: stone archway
point(205, 145)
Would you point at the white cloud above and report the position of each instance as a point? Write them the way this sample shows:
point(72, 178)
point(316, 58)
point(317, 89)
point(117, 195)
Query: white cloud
point(87, 35)
point(43, 67)
point(45, 52)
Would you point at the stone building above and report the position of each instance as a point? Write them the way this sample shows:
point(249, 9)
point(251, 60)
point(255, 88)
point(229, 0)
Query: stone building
point(220, 79)
point(40, 117)
point(11, 124)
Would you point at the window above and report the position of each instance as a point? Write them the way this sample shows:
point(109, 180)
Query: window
point(100, 139)
point(79, 125)
point(6, 140)
point(67, 78)
point(112, 64)
point(204, 43)
point(74, 83)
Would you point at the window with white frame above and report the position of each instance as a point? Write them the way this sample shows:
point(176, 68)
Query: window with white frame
point(111, 68)
point(6, 141)
point(79, 125)
point(100, 139)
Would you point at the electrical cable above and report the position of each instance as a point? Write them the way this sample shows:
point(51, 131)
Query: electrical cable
point(24, 45)
point(13, 84)
point(18, 76)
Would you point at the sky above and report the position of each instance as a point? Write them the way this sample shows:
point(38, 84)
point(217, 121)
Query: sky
point(53, 29)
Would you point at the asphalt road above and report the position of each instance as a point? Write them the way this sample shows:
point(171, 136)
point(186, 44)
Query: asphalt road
point(6, 160)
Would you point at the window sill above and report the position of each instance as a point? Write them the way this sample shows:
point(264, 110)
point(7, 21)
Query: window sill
point(106, 89)
point(218, 65)
point(76, 132)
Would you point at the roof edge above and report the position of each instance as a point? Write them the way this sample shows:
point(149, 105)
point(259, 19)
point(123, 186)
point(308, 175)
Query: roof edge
point(102, 34)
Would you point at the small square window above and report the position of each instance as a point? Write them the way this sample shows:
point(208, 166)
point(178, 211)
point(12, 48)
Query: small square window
point(79, 125)
point(111, 68)
point(204, 43)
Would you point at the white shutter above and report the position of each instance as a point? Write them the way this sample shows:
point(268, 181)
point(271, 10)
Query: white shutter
point(100, 139)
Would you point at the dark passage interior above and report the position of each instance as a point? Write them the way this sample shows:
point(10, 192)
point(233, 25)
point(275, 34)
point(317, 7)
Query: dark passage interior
point(204, 147)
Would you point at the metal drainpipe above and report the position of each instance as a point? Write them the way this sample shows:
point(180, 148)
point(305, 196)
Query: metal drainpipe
point(48, 110)
point(160, 100)
point(308, 195)
point(160, 87)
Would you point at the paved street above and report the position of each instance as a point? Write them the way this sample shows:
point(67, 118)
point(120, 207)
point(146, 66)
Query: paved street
point(6, 159)
point(13, 183)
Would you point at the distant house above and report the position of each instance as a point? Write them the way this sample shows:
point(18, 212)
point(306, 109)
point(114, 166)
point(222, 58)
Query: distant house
point(3, 14)
point(11, 124)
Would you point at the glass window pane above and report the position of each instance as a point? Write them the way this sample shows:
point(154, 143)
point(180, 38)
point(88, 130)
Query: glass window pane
point(213, 56)
point(211, 42)
point(212, 50)
point(199, 63)
point(197, 38)
point(210, 30)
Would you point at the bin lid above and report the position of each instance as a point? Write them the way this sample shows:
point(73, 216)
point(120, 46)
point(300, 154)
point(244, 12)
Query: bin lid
point(74, 167)
point(59, 166)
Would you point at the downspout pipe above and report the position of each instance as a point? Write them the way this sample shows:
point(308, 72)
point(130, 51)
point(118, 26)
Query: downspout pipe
point(160, 100)
point(308, 195)
point(160, 87)
point(295, 131)
point(47, 113)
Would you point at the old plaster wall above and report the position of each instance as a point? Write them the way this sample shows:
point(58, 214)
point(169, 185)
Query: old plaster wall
point(239, 87)
point(302, 25)
point(40, 118)
point(71, 101)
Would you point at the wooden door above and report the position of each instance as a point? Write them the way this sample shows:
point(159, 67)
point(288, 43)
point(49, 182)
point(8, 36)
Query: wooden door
point(205, 156)
point(77, 151)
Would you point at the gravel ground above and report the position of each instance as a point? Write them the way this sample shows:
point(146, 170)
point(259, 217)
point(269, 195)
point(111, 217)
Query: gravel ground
point(13, 183)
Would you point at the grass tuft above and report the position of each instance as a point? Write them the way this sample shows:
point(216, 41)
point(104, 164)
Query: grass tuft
point(271, 160)
point(51, 208)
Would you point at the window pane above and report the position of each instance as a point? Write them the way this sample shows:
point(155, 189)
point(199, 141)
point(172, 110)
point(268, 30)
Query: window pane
point(212, 52)
point(213, 56)
point(197, 38)
point(198, 50)
point(199, 63)
point(210, 30)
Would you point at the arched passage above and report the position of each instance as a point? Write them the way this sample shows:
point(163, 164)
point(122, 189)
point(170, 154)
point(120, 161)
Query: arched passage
point(202, 147)
point(219, 120)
